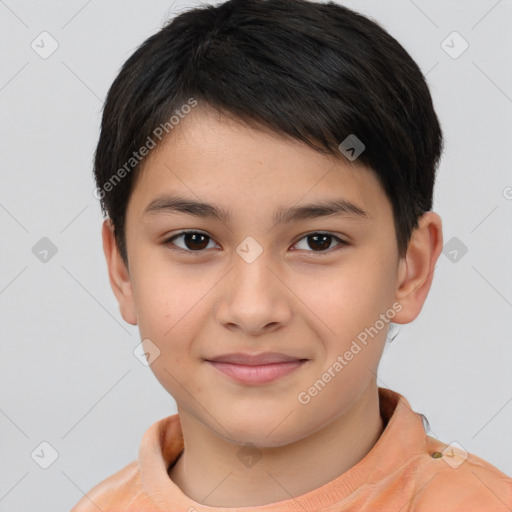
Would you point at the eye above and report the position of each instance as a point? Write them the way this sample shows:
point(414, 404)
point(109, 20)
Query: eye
point(194, 241)
point(320, 242)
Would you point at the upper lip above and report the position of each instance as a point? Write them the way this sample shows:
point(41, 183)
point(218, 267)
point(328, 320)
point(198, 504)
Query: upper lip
point(254, 359)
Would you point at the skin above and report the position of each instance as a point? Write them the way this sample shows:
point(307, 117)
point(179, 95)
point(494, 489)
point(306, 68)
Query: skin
point(197, 305)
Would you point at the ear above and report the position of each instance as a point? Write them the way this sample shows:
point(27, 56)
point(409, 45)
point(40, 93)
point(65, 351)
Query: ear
point(118, 274)
point(416, 269)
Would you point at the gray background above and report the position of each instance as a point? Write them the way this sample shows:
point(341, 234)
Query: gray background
point(67, 369)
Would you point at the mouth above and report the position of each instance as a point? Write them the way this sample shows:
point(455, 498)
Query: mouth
point(256, 369)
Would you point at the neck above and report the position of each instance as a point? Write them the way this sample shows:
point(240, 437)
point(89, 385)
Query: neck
point(209, 472)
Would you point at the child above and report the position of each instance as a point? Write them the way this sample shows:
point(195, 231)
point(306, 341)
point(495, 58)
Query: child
point(235, 143)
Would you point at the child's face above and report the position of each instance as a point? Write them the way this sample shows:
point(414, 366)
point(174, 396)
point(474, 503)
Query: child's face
point(303, 297)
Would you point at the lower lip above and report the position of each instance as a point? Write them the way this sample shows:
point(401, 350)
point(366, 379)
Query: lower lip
point(256, 374)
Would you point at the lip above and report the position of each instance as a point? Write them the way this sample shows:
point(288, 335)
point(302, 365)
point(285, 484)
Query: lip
point(256, 369)
point(253, 359)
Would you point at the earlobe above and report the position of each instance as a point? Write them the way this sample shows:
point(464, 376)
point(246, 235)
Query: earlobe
point(118, 274)
point(416, 270)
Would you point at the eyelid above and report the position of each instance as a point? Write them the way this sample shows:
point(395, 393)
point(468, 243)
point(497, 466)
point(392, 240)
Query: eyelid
point(340, 241)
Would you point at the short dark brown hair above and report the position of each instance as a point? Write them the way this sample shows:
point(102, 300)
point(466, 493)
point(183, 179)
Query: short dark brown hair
point(318, 72)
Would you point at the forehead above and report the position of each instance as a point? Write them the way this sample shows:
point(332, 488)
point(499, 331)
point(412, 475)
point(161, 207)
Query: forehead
point(210, 155)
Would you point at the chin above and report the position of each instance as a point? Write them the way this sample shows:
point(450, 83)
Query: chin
point(265, 431)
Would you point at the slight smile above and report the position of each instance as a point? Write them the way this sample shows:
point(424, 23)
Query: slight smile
point(256, 369)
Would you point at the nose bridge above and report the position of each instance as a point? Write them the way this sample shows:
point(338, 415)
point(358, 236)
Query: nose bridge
point(252, 262)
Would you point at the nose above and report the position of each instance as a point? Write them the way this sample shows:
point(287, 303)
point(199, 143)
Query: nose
point(254, 298)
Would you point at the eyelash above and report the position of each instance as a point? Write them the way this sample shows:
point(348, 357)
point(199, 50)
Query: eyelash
point(313, 253)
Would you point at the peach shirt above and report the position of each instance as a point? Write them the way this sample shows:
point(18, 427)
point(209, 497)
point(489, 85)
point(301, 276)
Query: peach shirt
point(405, 471)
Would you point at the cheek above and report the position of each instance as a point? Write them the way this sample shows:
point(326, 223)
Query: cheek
point(166, 296)
point(349, 305)
point(356, 291)
point(168, 309)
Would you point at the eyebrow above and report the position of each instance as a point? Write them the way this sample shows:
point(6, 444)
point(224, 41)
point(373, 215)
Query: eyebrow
point(177, 204)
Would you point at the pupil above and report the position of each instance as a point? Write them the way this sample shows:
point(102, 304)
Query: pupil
point(191, 239)
point(324, 245)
